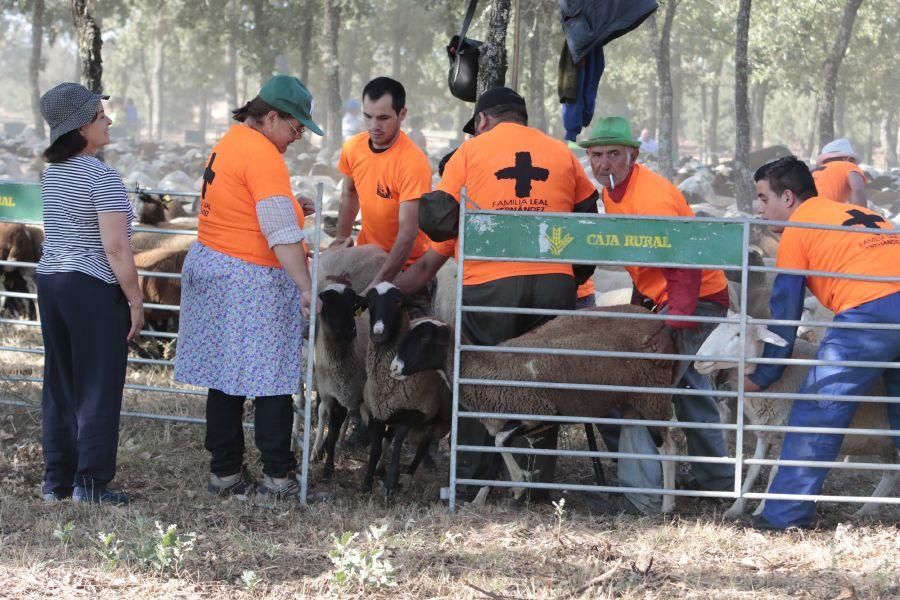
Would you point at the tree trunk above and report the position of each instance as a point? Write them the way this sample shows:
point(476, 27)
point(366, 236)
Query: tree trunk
point(744, 188)
point(349, 63)
point(306, 46)
point(148, 89)
point(870, 141)
point(89, 45)
point(204, 112)
point(265, 56)
point(231, 62)
point(677, 101)
point(810, 149)
point(704, 123)
point(840, 112)
point(34, 65)
point(889, 139)
point(713, 126)
point(653, 44)
point(492, 61)
point(758, 124)
point(331, 66)
point(664, 75)
point(157, 83)
point(830, 71)
point(537, 58)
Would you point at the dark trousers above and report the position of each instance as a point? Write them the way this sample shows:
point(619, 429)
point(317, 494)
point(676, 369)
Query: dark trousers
point(273, 420)
point(490, 329)
point(84, 322)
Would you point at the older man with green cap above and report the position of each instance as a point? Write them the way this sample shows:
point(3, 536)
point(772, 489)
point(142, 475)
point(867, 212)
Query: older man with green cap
point(633, 189)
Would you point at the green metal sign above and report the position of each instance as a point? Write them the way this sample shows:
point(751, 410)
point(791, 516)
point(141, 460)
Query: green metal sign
point(21, 202)
point(602, 238)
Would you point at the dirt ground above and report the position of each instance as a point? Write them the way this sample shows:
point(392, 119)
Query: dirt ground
point(506, 550)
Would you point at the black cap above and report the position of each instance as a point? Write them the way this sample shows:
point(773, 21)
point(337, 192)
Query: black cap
point(497, 96)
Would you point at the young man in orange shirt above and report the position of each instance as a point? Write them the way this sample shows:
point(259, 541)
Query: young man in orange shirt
point(506, 166)
point(385, 174)
point(632, 189)
point(837, 175)
point(787, 193)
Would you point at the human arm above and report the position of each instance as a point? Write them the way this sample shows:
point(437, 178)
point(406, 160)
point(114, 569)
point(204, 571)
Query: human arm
point(349, 209)
point(116, 245)
point(407, 232)
point(857, 184)
point(785, 303)
point(420, 272)
point(278, 223)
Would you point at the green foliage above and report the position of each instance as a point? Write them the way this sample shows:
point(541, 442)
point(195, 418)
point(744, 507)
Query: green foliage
point(64, 532)
point(164, 550)
point(109, 548)
point(250, 579)
point(362, 563)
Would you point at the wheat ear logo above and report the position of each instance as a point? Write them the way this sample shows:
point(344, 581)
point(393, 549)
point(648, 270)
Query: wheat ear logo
point(558, 240)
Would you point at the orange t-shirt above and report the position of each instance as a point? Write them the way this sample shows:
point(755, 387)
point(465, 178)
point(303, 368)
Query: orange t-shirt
point(649, 194)
point(384, 180)
point(841, 252)
point(833, 179)
point(517, 168)
point(242, 169)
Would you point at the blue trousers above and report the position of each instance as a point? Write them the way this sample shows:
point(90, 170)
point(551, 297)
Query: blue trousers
point(839, 344)
point(84, 322)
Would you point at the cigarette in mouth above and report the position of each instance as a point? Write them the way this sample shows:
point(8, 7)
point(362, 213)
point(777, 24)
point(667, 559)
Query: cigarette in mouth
point(612, 182)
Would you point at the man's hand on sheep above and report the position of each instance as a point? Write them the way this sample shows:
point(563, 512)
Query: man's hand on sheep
point(749, 386)
point(307, 204)
point(342, 243)
point(661, 342)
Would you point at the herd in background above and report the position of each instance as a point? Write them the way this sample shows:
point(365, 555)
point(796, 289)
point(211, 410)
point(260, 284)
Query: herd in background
point(373, 364)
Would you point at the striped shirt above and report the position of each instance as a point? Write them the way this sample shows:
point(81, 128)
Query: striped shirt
point(75, 192)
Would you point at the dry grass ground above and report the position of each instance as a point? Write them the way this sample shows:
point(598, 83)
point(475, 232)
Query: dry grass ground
point(503, 551)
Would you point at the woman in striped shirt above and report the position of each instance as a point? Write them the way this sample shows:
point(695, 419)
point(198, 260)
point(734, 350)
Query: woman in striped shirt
point(91, 304)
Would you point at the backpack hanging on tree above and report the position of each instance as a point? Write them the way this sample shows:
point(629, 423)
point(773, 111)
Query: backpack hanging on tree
point(463, 53)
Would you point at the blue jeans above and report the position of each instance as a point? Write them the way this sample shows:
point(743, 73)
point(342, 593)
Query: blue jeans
point(696, 409)
point(839, 344)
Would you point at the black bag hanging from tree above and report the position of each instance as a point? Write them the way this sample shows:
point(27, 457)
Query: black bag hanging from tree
point(463, 53)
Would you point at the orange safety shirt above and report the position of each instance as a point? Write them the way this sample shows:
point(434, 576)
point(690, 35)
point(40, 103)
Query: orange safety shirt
point(841, 252)
point(649, 194)
point(586, 289)
point(513, 167)
point(833, 179)
point(242, 169)
point(384, 179)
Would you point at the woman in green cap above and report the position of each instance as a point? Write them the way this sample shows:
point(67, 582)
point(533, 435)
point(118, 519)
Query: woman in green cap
point(246, 291)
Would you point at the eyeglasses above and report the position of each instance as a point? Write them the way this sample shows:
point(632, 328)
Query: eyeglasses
point(297, 133)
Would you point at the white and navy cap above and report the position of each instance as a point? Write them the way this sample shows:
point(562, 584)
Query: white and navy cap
point(67, 107)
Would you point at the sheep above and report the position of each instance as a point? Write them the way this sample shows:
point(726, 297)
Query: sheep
point(160, 290)
point(354, 267)
point(725, 341)
point(340, 370)
point(429, 345)
point(445, 294)
point(20, 243)
point(421, 402)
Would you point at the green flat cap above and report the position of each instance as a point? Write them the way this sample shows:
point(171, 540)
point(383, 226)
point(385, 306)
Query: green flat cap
point(611, 131)
point(288, 94)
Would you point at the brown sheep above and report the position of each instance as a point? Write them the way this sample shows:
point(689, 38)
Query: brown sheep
point(21, 243)
point(161, 290)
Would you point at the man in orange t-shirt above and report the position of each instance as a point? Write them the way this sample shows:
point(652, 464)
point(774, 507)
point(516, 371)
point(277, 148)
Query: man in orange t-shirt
point(787, 193)
point(506, 166)
point(837, 175)
point(632, 189)
point(385, 174)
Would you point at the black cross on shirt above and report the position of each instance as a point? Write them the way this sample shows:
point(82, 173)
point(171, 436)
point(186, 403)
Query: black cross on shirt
point(524, 173)
point(864, 219)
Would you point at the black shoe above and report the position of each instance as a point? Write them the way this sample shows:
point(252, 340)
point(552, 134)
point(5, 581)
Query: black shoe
point(759, 522)
point(237, 484)
point(98, 495)
point(57, 495)
point(611, 506)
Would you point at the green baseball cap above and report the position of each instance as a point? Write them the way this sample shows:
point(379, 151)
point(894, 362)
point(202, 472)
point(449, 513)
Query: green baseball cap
point(611, 131)
point(288, 94)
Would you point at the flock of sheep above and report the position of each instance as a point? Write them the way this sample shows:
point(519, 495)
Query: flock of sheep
point(395, 371)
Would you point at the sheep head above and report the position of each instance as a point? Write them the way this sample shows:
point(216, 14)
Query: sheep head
point(424, 348)
point(385, 302)
point(725, 341)
point(339, 306)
